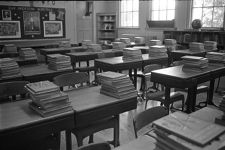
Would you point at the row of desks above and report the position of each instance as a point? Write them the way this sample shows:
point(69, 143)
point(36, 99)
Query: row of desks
point(20, 125)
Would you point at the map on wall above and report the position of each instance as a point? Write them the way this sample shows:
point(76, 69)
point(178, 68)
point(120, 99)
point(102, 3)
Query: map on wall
point(18, 22)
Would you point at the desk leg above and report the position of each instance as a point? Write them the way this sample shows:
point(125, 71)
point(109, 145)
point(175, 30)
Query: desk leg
point(191, 99)
point(117, 132)
point(68, 140)
point(211, 89)
point(167, 98)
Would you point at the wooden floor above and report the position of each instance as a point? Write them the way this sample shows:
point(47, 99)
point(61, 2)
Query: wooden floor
point(126, 126)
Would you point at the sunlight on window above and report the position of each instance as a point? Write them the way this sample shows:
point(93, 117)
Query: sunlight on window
point(129, 13)
point(211, 12)
point(163, 9)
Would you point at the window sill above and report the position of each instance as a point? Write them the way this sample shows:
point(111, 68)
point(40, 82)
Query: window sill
point(128, 27)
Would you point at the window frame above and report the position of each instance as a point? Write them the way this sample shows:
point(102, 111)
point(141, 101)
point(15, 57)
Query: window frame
point(202, 7)
point(132, 11)
point(161, 23)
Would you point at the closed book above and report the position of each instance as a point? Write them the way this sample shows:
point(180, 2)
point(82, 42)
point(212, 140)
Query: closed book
point(193, 58)
point(111, 75)
point(50, 98)
point(123, 87)
point(189, 128)
point(41, 96)
point(42, 87)
point(53, 105)
point(126, 95)
point(45, 113)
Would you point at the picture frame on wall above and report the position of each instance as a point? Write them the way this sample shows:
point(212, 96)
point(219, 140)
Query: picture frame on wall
point(31, 22)
point(6, 14)
point(53, 28)
point(10, 29)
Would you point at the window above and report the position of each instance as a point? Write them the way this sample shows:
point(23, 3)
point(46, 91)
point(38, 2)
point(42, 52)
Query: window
point(163, 10)
point(210, 12)
point(129, 13)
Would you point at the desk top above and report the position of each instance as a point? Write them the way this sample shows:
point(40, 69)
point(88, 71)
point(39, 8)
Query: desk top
point(178, 72)
point(18, 114)
point(187, 51)
point(60, 49)
point(83, 53)
point(38, 69)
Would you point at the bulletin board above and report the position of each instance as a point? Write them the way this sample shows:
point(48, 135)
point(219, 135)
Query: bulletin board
point(19, 22)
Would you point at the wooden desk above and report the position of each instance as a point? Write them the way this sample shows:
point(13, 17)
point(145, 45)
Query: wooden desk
point(175, 77)
point(82, 56)
point(59, 50)
point(89, 106)
point(22, 62)
point(39, 72)
point(19, 125)
point(117, 64)
point(177, 54)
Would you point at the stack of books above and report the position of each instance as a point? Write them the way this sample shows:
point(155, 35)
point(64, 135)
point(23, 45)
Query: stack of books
point(118, 45)
point(94, 47)
point(47, 99)
point(64, 44)
point(125, 40)
point(194, 62)
point(132, 54)
point(154, 42)
point(210, 45)
point(139, 40)
point(116, 85)
point(215, 56)
point(196, 47)
point(10, 48)
point(9, 68)
point(158, 51)
point(183, 131)
point(170, 44)
point(27, 53)
point(85, 43)
point(59, 62)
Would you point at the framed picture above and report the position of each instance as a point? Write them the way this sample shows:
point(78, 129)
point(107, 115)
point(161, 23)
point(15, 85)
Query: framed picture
point(31, 22)
point(6, 14)
point(10, 29)
point(53, 29)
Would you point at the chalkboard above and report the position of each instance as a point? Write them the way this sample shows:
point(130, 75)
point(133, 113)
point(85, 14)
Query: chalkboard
point(19, 22)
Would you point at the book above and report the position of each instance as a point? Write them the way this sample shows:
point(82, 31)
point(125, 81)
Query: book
point(42, 87)
point(53, 105)
point(129, 94)
point(47, 113)
point(189, 128)
point(43, 95)
point(193, 58)
point(111, 75)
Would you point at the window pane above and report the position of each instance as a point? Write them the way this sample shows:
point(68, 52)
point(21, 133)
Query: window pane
point(219, 3)
point(163, 4)
point(170, 14)
point(135, 19)
point(155, 4)
point(197, 3)
point(135, 5)
point(197, 13)
point(155, 15)
point(129, 5)
point(162, 15)
point(171, 4)
point(207, 17)
point(218, 17)
point(129, 19)
point(123, 6)
point(122, 19)
point(208, 3)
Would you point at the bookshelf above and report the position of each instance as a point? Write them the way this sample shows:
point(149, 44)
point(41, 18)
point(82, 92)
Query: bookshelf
point(106, 27)
point(183, 37)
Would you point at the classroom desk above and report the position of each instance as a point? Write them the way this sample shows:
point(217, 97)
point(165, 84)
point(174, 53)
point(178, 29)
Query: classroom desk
point(20, 126)
point(89, 105)
point(59, 50)
point(117, 64)
point(177, 54)
point(39, 72)
point(175, 77)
